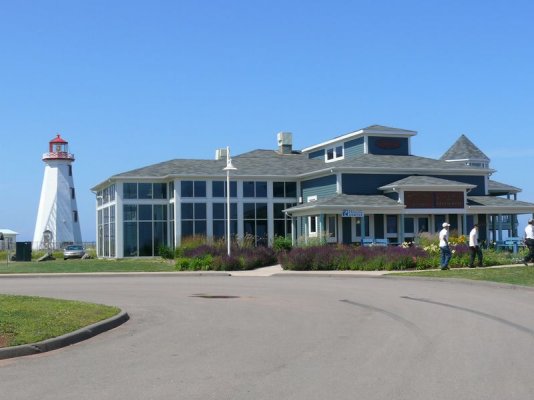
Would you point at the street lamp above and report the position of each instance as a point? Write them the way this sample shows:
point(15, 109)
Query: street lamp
point(229, 167)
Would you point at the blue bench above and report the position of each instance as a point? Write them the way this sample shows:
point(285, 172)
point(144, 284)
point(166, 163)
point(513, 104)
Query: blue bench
point(512, 244)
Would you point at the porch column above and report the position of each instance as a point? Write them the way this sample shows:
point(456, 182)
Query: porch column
point(362, 229)
point(401, 229)
point(500, 226)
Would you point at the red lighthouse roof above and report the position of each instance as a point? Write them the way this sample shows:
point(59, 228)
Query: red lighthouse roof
point(58, 139)
point(58, 149)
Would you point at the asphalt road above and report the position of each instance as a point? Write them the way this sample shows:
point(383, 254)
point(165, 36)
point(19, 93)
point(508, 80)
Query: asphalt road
point(285, 338)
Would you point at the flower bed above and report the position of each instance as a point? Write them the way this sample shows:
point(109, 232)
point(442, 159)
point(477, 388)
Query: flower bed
point(214, 257)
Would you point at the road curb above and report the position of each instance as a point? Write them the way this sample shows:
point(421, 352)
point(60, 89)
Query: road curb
point(112, 274)
point(65, 340)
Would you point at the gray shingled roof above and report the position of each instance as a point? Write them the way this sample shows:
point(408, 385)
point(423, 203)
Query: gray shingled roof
point(425, 181)
point(464, 149)
point(349, 201)
point(254, 163)
point(272, 163)
point(498, 187)
point(412, 163)
point(499, 202)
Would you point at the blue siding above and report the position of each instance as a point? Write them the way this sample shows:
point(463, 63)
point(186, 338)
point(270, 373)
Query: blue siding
point(388, 146)
point(366, 183)
point(316, 154)
point(369, 183)
point(320, 187)
point(353, 147)
point(480, 190)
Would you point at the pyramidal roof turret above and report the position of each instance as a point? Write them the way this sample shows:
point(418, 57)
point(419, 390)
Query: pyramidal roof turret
point(464, 150)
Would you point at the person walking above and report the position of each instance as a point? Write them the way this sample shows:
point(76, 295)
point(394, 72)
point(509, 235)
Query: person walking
point(444, 249)
point(529, 241)
point(474, 248)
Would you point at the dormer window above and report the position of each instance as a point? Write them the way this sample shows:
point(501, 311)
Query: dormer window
point(334, 153)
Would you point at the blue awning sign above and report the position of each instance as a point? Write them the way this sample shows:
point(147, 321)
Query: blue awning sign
point(351, 213)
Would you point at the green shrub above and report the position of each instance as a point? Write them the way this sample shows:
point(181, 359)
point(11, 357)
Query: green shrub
point(281, 243)
point(166, 252)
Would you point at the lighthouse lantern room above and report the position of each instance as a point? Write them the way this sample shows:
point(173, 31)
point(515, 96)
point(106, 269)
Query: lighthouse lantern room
point(57, 217)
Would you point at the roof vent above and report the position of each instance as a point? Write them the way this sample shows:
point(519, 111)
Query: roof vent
point(220, 154)
point(285, 142)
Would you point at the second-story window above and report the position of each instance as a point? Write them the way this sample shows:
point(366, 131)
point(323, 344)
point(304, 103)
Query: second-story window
point(334, 153)
point(193, 188)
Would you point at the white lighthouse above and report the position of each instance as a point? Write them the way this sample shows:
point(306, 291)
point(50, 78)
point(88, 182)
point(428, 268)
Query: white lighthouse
point(57, 219)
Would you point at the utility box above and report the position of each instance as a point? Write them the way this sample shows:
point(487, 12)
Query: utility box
point(24, 251)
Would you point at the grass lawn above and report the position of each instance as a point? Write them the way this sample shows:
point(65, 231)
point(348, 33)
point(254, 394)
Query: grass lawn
point(519, 275)
point(89, 265)
point(25, 319)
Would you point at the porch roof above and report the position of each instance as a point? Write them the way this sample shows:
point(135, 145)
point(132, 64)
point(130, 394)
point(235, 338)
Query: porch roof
point(497, 205)
point(340, 202)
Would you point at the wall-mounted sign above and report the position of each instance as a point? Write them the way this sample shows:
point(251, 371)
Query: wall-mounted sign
point(351, 213)
point(434, 199)
point(388, 143)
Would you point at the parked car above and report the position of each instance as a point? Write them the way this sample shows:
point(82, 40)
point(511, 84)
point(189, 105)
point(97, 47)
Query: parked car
point(73, 251)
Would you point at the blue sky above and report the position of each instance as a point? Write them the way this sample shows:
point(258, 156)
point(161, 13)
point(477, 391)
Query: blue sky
point(132, 83)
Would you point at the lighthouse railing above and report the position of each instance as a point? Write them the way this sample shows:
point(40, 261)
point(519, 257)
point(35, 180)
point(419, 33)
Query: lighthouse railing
point(62, 155)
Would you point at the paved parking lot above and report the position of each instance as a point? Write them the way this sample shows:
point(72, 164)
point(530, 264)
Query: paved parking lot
point(285, 337)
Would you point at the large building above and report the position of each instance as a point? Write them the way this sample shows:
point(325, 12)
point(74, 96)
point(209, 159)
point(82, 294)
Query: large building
point(360, 187)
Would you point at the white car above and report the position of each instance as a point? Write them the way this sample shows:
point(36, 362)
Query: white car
point(73, 251)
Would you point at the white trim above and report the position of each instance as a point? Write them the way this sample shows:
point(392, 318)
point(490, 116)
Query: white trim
point(335, 140)
point(360, 132)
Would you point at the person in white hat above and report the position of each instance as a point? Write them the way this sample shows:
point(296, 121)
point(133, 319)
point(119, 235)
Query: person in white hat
point(529, 241)
point(444, 249)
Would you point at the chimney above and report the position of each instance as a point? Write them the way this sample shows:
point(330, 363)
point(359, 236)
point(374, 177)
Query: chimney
point(220, 154)
point(285, 142)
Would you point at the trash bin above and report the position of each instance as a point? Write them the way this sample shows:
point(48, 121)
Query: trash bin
point(24, 251)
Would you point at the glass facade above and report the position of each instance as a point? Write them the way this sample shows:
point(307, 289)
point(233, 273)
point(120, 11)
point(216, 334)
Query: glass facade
point(282, 222)
point(284, 189)
point(145, 229)
point(193, 188)
point(106, 232)
point(255, 222)
point(219, 189)
point(254, 189)
point(194, 219)
point(219, 220)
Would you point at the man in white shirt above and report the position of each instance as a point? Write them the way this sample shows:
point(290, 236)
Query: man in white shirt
point(529, 241)
point(474, 248)
point(444, 250)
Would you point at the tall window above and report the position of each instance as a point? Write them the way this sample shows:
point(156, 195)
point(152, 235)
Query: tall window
point(219, 220)
point(255, 222)
point(145, 229)
point(282, 222)
point(193, 219)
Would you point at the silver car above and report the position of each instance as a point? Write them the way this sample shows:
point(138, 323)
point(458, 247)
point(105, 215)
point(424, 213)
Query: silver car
point(73, 251)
